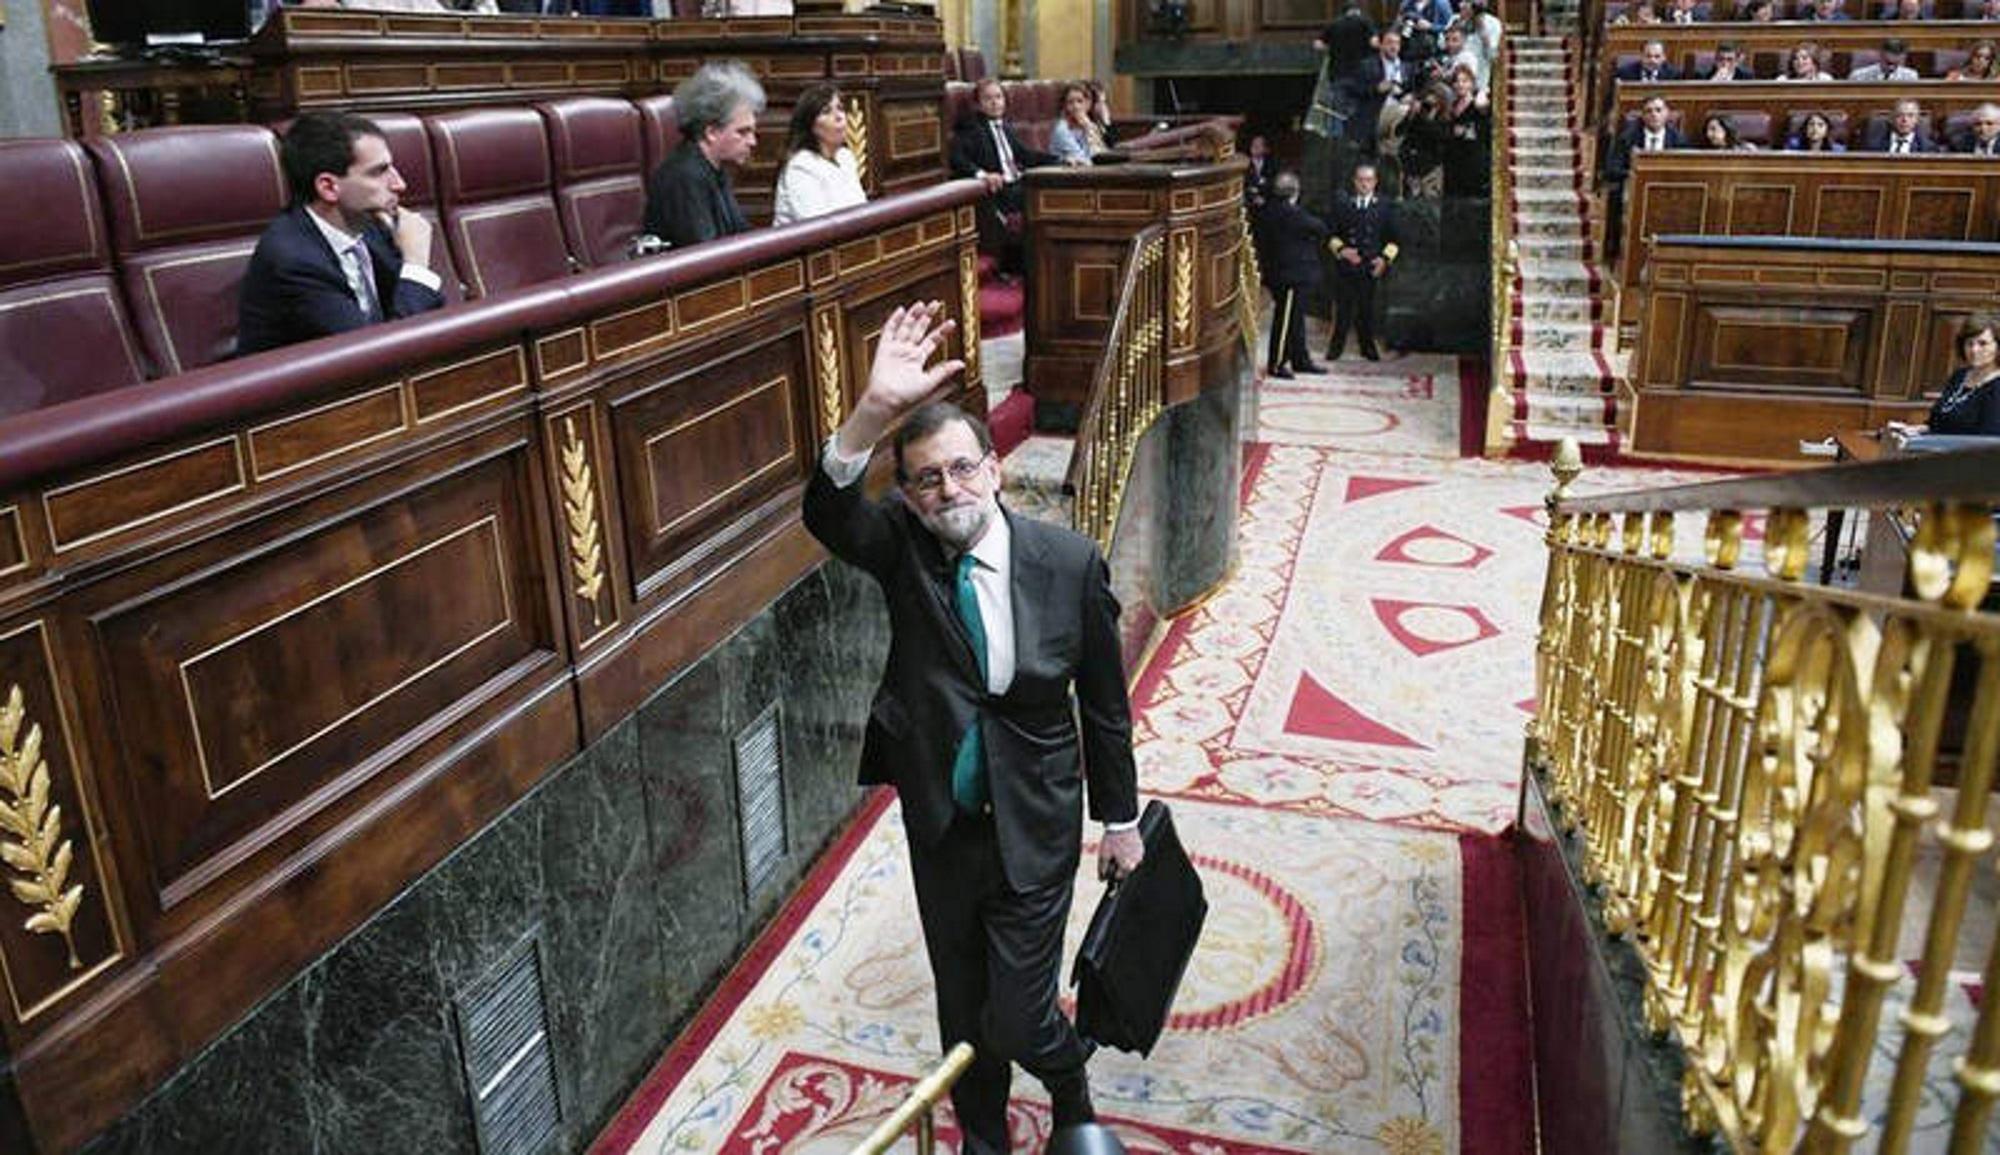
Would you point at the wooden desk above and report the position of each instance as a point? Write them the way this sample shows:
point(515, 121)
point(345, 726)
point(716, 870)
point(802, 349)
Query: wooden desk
point(112, 95)
point(1853, 446)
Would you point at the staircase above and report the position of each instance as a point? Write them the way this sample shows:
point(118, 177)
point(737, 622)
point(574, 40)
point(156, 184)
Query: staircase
point(1560, 379)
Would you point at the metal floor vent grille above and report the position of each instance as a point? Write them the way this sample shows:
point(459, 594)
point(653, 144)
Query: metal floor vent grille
point(503, 1039)
point(760, 799)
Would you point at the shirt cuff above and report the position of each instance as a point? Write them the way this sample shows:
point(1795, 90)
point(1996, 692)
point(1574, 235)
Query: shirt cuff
point(839, 468)
point(1121, 827)
point(422, 276)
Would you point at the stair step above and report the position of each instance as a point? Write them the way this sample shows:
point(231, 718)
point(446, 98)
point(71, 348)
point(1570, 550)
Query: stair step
point(1034, 474)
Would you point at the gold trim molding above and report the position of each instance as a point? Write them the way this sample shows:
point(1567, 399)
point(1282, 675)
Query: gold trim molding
point(586, 545)
point(31, 841)
point(826, 361)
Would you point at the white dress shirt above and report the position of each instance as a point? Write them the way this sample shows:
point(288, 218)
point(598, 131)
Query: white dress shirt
point(359, 267)
point(1010, 170)
point(813, 186)
point(992, 581)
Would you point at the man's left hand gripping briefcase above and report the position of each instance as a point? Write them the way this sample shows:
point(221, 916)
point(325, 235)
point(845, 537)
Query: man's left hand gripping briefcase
point(1139, 942)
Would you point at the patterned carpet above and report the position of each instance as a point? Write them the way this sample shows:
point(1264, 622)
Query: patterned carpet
point(1339, 731)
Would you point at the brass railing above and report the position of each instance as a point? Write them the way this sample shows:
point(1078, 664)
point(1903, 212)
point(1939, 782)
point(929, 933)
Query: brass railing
point(1505, 266)
point(915, 1109)
point(1752, 762)
point(1249, 287)
point(1126, 393)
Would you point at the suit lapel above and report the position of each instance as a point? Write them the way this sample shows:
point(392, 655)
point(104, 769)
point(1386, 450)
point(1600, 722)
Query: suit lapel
point(939, 589)
point(1028, 588)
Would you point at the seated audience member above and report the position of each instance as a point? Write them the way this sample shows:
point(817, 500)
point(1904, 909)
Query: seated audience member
point(343, 255)
point(820, 174)
point(1262, 171)
point(1982, 136)
point(1988, 10)
point(1902, 133)
point(1825, 10)
point(1979, 64)
point(984, 147)
point(1803, 63)
point(1684, 12)
point(1641, 12)
point(1815, 135)
point(1760, 11)
point(1718, 134)
point(1890, 64)
point(1729, 63)
point(1363, 248)
point(1076, 136)
point(1288, 244)
point(1651, 66)
point(1907, 10)
point(1970, 401)
point(1651, 133)
point(1468, 147)
point(688, 198)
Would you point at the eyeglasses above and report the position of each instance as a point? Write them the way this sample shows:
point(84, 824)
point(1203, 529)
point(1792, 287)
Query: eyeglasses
point(931, 480)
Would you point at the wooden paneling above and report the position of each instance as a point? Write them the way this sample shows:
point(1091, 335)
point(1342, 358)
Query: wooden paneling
point(1747, 349)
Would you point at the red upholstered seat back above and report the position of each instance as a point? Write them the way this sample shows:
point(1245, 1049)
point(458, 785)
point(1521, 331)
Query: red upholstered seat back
point(63, 327)
point(600, 179)
point(958, 103)
point(971, 64)
point(1752, 126)
point(659, 129)
point(495, 183)
point(186, 207)
point(410, 146)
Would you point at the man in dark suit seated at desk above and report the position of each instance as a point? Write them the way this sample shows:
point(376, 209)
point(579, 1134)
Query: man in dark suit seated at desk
point(344, 255)
point(1903, 132)
point(1651, 66)
point(688, 198)
point(985, 146)
point(1001, 713)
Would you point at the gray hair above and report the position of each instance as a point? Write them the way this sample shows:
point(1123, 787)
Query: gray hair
point(1287, 185)
point(713, 94)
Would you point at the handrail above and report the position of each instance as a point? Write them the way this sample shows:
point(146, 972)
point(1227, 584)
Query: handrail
point(1752, 764)
point(1126, 391)
point(917, 1105)
point(62, 438)
point(1505, 262)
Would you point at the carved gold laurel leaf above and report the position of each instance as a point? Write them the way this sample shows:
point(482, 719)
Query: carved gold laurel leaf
point(1184, 285)
point(586, 552)
point(33, 846)
point(826, 344)
point(968, 297)
point(857, 132)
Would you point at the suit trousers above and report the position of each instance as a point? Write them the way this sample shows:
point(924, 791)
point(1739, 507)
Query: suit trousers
point(1288, 328)
point(996, 956)
point(1354, 309)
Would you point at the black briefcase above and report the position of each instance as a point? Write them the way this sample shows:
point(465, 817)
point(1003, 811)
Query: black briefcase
point(1139, 942)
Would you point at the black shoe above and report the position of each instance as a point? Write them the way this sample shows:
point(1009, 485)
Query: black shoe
point(1369, 352)
point(1281, 373)
point(1069, 1103)
point(1333, 352)
point(1309, 367)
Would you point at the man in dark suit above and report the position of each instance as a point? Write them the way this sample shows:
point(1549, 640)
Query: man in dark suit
point(985, 146)
point(1003, 694)
point(1651, 132)
point(344, 255)
point(1258, 177)
point(1729, 63)
point(1379, 88)
point(1363, 247)
point(1903, 132)
point(1289, 240)
point(689, 198)
point(1982, 136)
point(1652, 65)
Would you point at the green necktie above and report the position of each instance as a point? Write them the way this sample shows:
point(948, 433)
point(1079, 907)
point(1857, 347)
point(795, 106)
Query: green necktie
point(968, 769)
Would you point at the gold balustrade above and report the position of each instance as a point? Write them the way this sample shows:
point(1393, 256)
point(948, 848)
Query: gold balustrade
point(1128, 392)
point(916, 1107)
point(1504, 266)
point(1751, 762)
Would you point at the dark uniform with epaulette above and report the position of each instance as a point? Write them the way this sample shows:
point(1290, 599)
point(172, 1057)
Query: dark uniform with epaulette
point(1371, 231)
point(1289, 245)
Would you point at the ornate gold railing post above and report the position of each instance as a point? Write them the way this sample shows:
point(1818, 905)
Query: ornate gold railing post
point(915, 1109)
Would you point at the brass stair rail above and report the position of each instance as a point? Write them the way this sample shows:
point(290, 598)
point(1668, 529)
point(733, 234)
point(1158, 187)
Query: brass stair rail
point(917, 1105)
point(1127, 391)
point(1752, 762)
point(1505, 260)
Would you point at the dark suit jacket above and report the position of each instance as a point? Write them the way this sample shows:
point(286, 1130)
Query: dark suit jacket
point(1631, 69)
point(1967, 142)
point(1289, 243)
point(1742, 72)
point(688, 200)
point(1067, 668)
point(1362, 86)
point(1371, 231)
point(973, 150)
point(294, 290)
point(1257, 181)
point(1619, 164)
point(1877, 139)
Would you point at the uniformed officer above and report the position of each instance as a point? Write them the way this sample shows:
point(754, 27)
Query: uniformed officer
point(1363, 248)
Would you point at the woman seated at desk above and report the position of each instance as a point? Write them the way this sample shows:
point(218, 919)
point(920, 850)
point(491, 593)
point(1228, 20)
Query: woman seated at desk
point(820, 174)
point(1970, 403)
point(1077, 135)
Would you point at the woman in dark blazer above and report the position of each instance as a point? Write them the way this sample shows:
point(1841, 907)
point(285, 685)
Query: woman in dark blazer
point(1970, 402)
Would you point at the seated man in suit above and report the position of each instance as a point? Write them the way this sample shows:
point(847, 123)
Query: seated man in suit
point(1826, 10)
point(1890, 63)
point(1363, 247)
point(1685, 12)
point(1651, 133)
point(344, 255)
point(1651, 66)
point(1902, 133)
point(1729, 63)
point(1000, 717)
point(688, 198)
point(1982, 136)
point(984, 146)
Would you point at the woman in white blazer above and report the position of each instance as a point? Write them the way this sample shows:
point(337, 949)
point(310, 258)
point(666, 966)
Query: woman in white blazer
point(820, 175)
